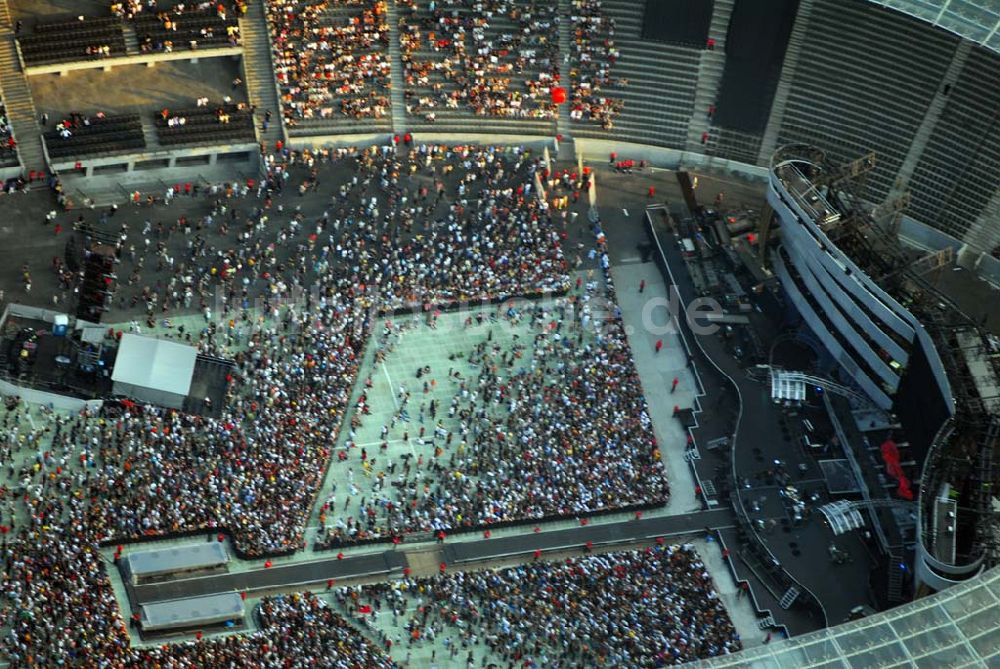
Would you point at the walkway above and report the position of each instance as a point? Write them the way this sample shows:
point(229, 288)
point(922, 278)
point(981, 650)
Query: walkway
point(297, 575)
point(293, 577)
point(648, 320)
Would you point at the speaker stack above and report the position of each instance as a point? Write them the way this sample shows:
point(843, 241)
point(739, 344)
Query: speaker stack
point(98, 286)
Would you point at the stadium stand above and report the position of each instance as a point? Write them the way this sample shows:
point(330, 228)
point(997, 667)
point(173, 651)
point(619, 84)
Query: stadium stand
point(592, 57)
point(655, 82)
point(332, 64)
point(205, 125)
point(464, 68)
point(80, 135)
point(861, 85)
point(186, 28)
point(952, 182)
point(68, 41)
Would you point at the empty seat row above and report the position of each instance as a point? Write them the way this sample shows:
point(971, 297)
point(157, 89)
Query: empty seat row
point(64, 27)
point(98, 149)
point(83, 36)
point(72, 47)
point(218, 137)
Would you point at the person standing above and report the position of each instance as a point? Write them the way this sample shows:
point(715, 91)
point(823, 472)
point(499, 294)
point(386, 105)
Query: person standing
point(642, 286)
point(659, 345)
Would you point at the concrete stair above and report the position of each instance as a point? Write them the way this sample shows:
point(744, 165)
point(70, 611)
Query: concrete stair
point(21, 112)
point(396, 77)
point(710, 69)
point(984, 234)
point(796, 42)
point(565, 43)
point(929, 123)
point(131, 40)
point(659, 99)
point(149, 131)
point(259, 74)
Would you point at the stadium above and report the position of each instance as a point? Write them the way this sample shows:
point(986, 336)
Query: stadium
point(505, 333)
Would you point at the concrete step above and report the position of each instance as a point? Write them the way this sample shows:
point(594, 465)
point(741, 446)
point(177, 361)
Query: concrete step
point(396, 79)
point(20, 107)
point(793, 52)
point(710, 70)
point(131, 40)
point(565, 44)
point(258, 65)
point(149, 132)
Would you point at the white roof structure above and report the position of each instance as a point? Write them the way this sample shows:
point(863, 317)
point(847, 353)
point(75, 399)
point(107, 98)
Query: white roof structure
point(193, 612)
point(954, 628)
point(155, 364)
point(787, 386)
point(175, 559)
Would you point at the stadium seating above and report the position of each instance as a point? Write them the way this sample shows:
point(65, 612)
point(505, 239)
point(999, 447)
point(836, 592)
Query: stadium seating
point(439, 99)
point(111, 134)
point(957, 173)
point(658, 99)
point(332, 65)
point(204, 28)
point(202, 125)
point(861, 85)
point(68, 41)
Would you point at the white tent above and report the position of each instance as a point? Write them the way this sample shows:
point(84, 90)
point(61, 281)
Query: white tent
point(153, 370)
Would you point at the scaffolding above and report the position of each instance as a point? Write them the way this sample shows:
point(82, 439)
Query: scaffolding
point(964, 453)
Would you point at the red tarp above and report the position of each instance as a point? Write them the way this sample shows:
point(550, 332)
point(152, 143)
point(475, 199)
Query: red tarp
point(890, 455)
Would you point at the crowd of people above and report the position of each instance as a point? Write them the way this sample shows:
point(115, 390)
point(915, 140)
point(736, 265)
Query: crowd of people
point(331, 58)
point(644, 608)
point(8, 146)
point(62, 612)
point(183, 24)
point(129, 471)
point(495, 58)
point(544, 417)
point(592, 57)
point(550, 422)
point(292, 380)
point(130, 9)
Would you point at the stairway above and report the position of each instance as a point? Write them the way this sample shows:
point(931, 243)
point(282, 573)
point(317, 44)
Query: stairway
point(259, 72)
point(565, 43)
point(796, 42)
point(149, 131)
point(17, 99)
point(396, 79)
point(929, 122)
point(789, 597)
point(983, 235)
point(710, 69)
point(131, 39)
point(894, 587)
